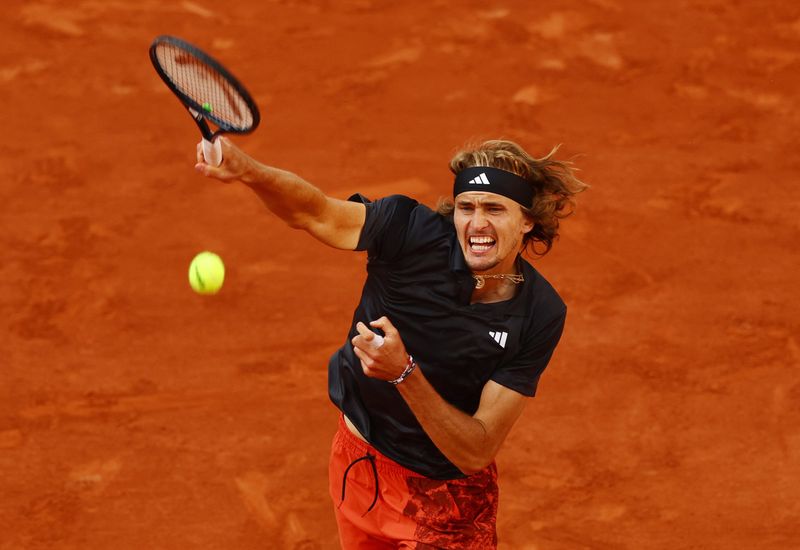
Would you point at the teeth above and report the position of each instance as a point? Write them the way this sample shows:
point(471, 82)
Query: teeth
point(481, 240)
point(481, 243)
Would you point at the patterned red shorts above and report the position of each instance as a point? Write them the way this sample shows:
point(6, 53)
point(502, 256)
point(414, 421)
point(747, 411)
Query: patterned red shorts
point(380, 504)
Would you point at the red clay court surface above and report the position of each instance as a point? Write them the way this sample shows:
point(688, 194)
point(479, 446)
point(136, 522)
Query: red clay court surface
point(135, 414)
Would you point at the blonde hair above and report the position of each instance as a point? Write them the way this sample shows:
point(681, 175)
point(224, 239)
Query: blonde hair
point(553, 181)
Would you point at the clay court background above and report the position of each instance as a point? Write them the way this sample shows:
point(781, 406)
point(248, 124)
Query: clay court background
point(136, 414)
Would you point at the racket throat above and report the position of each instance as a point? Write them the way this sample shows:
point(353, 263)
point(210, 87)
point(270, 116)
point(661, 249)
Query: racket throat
point(202, 124)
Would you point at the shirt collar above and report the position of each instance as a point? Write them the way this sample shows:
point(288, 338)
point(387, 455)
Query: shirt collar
point(458, 263)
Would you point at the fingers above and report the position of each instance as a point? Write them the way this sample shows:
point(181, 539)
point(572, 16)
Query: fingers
point(367, 343)
point(369, 337)
point(365, 346)
point(362, 329)
point(366, 361)
point(385, 325)
point(221, 172)
point(384, 362)
point(201, 165)
point(227, 147)
point(208, 170)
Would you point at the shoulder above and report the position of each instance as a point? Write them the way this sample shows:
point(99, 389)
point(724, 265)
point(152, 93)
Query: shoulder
point(403, 210)
point(391, 202)
point(397, 224)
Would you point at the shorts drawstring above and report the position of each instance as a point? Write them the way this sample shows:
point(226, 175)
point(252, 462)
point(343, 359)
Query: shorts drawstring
point(371, 458)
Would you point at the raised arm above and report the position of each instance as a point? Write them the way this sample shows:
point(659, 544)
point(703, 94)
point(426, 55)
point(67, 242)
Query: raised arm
point(301, 205)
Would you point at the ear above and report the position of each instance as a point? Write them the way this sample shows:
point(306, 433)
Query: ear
point(528, 223)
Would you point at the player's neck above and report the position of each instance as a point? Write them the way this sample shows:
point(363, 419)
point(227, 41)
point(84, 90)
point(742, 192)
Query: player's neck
point(500, 283)
point(495, 290)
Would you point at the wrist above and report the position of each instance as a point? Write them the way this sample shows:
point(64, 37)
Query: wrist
point(252, 173)
point(411, 366)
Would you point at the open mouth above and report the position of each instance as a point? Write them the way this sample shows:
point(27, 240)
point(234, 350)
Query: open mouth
point(481, 243)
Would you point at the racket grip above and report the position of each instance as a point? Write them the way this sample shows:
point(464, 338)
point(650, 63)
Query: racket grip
point(377, 341)
point(212, 152)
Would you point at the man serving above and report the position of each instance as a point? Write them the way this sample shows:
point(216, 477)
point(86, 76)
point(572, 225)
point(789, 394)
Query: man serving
point(449, 339)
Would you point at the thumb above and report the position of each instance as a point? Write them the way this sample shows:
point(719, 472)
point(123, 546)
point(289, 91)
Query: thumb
point(206, 169)
point(362, 329)
point(384, 324)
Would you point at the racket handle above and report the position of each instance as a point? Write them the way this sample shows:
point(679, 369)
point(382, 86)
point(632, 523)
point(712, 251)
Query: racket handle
point(212, 152)
point(377, 341)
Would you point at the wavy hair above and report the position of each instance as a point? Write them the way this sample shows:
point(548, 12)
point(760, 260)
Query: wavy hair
point(553, 181)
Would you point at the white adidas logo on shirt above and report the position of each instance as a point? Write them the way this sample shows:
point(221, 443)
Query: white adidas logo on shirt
point(499, 337)
point(480, 180)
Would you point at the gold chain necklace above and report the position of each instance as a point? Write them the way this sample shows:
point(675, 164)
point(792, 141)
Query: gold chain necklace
point(480, 280)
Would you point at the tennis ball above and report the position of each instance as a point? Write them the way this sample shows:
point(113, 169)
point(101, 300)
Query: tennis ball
point(207, 107)
point(206, 273)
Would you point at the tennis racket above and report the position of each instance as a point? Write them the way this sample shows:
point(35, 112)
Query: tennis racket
point(207, 89)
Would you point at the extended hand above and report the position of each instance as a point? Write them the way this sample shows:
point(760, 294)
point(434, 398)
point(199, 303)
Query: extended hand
point(235, 162)
point(386, 362)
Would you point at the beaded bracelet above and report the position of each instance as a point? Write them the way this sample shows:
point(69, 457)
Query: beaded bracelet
point(410, 366)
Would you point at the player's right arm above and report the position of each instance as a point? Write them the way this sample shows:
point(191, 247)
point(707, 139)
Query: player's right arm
point(301, 205)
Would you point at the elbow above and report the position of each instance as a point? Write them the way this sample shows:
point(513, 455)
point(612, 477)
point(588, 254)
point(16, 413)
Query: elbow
point(299, 222)
point(477, 454)
point(473, 464)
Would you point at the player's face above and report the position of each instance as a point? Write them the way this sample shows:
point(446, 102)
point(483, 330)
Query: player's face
point(490, 228)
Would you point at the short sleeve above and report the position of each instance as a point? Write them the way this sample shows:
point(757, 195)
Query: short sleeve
point(386, 225)
point(522, 373)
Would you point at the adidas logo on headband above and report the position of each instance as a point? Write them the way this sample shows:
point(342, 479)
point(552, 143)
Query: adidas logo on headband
point(480, 180)
point(503, 183)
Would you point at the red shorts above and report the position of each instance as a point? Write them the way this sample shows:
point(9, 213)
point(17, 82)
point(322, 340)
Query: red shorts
point(380, 504)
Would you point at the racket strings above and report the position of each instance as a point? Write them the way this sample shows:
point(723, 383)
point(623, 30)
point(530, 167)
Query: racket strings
point(219, 100)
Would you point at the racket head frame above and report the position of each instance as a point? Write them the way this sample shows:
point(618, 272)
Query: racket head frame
point(196, 109)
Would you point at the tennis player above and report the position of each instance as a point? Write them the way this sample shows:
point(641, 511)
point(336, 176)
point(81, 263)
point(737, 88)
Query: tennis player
point(448, 341)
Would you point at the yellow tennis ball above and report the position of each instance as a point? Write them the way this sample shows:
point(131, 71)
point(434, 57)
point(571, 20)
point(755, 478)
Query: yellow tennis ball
point(206, 273)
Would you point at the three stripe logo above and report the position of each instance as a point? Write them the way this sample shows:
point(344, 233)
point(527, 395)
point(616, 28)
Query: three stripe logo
point(480, 180)
point(499, 337)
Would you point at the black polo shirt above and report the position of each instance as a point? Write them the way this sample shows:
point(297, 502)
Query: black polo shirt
point(417, 277)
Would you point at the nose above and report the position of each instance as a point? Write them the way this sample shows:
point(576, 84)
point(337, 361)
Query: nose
point(479, 219)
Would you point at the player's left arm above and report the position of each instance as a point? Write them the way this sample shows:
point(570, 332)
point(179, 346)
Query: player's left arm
point(469, 442)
